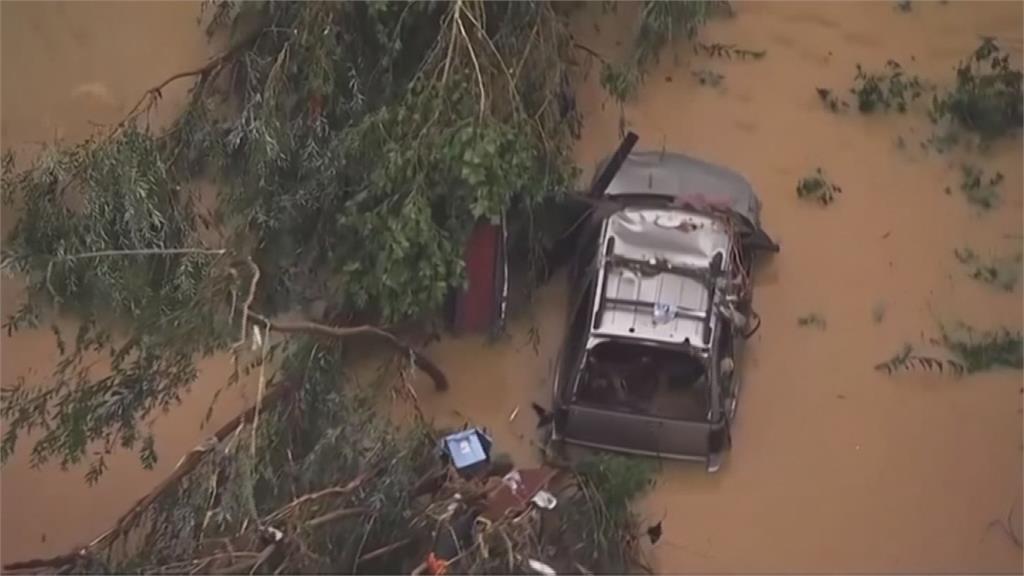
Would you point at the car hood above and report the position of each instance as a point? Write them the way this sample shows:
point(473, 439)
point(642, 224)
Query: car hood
point(689, 181)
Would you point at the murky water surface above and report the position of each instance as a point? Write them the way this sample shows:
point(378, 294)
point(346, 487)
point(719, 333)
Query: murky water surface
point(835, 467)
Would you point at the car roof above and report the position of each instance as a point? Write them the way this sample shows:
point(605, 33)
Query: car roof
point(682, 243)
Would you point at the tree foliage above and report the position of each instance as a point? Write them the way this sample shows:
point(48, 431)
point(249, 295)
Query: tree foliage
point(986, 97)
point(323, 485)
point(352, 146)
point(371, 136)
point(148, 315)
point(660, 23)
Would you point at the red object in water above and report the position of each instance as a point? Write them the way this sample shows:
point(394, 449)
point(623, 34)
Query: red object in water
point(481, 306)
point(436, 566)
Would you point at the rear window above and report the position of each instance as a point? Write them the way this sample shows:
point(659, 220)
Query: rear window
point(644, 379)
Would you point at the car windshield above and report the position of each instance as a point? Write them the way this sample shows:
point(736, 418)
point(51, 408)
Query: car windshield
point(644, 379)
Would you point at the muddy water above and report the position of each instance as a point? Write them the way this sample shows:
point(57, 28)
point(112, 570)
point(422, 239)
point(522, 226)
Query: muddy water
point(835, 467)
point(66, 67)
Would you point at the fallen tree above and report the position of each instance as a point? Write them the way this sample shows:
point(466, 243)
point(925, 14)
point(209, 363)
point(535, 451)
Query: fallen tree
point(353, 147)
point(324, 485)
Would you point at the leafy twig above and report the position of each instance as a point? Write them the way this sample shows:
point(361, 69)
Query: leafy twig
point(812, 320)
point(980, 191)
point(905, 360)
point(108, 253)
point(817, 187)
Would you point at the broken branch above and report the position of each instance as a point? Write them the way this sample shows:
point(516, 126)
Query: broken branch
point(150, 96)
point(314, 328)
point(383, 550)
point(344, 512)
point(334, 491)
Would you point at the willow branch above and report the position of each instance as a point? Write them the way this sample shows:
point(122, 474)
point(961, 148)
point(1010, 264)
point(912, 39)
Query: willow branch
point(253, 280)
point(191, 461)
point(343, 513)
point(526, 52)
point(262, 384)
point(590, 51)
point(472, 56)
point(317, 329)
point(137, 252)
point(512, 91)
point(333, 491)
point(384, 550)
point(154, 93)
point(451, 42)
point(37, 564)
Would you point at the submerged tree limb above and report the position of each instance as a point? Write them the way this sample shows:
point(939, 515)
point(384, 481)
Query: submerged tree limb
point(192, 460)
point(38, 564)
point(316, 329)
point(342, 513)
point(272, 396)
point(108, 253)
point(347, 488)
point(1007, 527)
point(384, 550)
point(154, 93)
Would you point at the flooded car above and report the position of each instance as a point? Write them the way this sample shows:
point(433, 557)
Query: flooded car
point(660, 303)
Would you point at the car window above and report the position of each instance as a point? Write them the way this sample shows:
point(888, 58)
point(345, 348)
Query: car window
point(641, 378)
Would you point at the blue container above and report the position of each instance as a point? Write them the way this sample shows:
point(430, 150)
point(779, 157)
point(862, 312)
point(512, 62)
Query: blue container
point(467, 449)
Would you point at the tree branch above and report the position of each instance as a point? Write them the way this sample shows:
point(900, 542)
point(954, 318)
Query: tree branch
point(344, 512)
point(150, 96)
point(451, 41)
point(590, 51)
point(275, 394)
point(106, 253)
point(254, 279)
point(37, 564)
point(333, 491)
point(191, 461)
point(472, 56)
point(314, 328)
point(384, 550)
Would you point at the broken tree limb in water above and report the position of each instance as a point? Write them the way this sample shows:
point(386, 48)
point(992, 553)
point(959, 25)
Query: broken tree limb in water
point(317, 329)
point(192, 460)
point(154, 93)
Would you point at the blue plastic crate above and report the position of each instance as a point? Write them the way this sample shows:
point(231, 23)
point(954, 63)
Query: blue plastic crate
point(467, 448)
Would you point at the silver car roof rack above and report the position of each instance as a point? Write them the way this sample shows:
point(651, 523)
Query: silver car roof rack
point(707, 275)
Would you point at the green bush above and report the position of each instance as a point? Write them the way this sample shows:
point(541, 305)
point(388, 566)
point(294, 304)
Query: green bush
point(986, 98)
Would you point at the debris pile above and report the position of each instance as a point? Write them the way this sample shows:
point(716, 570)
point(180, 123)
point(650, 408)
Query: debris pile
point(325, 484)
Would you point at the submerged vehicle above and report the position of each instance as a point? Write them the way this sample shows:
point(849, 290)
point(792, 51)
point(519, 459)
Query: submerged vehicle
point(660, 303)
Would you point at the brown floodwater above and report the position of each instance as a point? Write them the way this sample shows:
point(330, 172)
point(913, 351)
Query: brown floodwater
point(835, 467)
